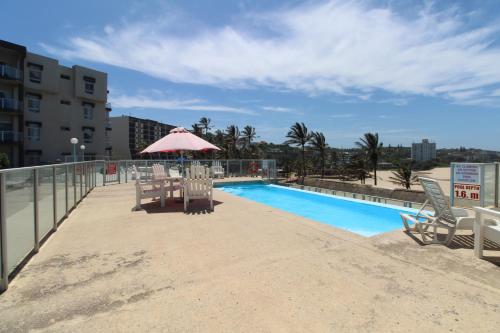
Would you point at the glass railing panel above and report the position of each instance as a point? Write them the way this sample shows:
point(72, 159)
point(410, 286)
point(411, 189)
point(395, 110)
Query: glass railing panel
point(489, 184)
point(99, 173)
point(61, 192)
point(71, 187)
point(78, 171)
point(45, 201)
point(20, 216)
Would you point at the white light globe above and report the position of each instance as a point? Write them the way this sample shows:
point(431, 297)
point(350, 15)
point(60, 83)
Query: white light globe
point(74, 141)
point(82, 147)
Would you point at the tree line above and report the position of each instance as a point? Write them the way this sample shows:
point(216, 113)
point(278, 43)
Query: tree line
point(304, 152)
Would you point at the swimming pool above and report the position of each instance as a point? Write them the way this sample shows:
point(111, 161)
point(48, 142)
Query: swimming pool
point(361, 217)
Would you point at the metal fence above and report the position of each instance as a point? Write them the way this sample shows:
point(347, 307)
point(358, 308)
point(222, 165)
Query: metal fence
point(365, 197)
point(33, 202)
point(122, 171)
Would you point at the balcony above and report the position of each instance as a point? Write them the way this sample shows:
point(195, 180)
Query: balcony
point(10, 105)
point(10, 137)
point(108, 106)
point(10, 73)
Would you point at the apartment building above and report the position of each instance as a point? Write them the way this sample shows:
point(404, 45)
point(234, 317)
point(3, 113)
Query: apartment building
point(423, 151)
point(130, 135)
point(12, 59)
point(50, 104)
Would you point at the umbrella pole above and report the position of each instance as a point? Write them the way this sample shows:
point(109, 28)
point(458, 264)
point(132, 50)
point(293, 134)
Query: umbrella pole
point(182, 164)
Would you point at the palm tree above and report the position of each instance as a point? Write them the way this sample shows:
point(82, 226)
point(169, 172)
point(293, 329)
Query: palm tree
point(232, 138)
point(372, 148)
point(248, 134)
point(318, 142)
point(205, 124)
point(299, 136)
point(403, 176)
point(197, 130)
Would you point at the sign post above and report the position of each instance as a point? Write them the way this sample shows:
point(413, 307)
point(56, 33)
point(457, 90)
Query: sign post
point(467, 182)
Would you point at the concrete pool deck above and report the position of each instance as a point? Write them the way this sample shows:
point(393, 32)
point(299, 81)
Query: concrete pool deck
point(246, 267)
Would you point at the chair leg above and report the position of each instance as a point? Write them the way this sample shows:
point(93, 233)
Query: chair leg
point(449, 237)
point(185, 202)
point(478, 240)
point(422, 233)
point(137, 201)
point(407, 226)
point(211, 201)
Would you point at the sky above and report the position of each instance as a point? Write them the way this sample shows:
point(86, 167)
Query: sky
point(407, 70)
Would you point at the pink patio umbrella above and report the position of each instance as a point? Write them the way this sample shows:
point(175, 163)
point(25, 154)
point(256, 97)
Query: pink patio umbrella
point(179, 139)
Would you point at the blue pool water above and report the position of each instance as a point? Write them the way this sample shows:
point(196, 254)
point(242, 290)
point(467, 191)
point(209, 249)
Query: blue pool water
point(361, 217)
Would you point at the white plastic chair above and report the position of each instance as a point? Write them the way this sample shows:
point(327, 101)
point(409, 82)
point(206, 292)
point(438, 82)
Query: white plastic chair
point(141, 192)
point(159, 172)
point(198, 185)
point(174, 173)
point(217, 169)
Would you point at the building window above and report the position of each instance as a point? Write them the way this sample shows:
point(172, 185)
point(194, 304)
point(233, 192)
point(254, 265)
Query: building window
point(34, 131)
point(65, 77)
point(34, 102)
point(88, 135)
point(65, 102)
point(88, 110)
point(65, 128)
point(89, 84)
point(35, 72)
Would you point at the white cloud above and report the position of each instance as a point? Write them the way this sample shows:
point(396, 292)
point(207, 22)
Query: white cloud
point(343, 115)
point(277, 109)
point(347, 48)
point(162, 103)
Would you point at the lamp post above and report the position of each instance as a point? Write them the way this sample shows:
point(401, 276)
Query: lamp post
point(82, 147)
point(74, 142)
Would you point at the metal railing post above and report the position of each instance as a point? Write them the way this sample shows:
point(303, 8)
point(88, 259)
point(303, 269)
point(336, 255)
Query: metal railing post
point(36, 245)
point(4, 283)
point(126, 170)
point(54, 197)
point(118, 170)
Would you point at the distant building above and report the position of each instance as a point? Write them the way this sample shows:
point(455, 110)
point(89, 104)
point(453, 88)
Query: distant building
point(424, 151)
point(130, 135)
point(43, 105)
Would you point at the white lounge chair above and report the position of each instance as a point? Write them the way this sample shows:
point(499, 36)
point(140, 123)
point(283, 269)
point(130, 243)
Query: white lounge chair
point(445, 217)
point(198, 185)
point(141, 192)
point(485, 228)
point(174, 173)
point(217, 170)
